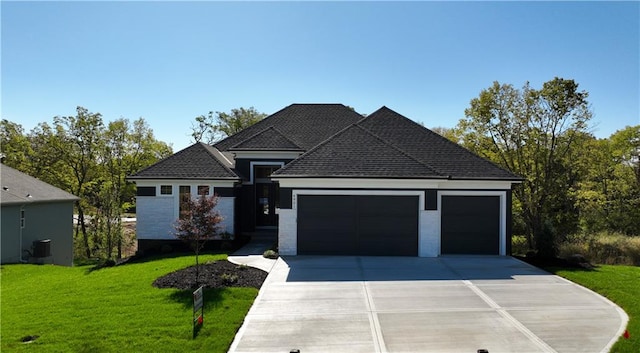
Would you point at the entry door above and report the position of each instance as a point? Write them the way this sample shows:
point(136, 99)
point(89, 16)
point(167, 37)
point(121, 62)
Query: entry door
point(266, 203)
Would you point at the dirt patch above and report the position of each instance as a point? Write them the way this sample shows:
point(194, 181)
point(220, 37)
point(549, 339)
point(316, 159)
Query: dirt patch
point(218, 274)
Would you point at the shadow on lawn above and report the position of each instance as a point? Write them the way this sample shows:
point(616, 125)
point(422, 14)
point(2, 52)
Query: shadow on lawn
point(212, 297)
point(553, 265)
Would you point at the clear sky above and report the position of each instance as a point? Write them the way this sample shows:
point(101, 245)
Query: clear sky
point(172, 61)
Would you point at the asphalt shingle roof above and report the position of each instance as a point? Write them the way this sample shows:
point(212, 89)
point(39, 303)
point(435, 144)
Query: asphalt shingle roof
point(356, 152)
point(198, 161)
point(269, 139)
point(20, 188)
point(306, 125)
point(447, 157)
point(393, 146)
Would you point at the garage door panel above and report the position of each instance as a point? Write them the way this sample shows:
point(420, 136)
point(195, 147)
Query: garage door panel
point(358, 225)
point(470, 225)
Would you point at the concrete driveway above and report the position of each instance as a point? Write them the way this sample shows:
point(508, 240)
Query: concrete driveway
point(403, 304)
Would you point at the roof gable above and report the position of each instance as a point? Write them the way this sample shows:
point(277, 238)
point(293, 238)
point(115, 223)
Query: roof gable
point(198, 161)
point(356, 152)
point(269, 139)
point(20, 188)
point(305, 125)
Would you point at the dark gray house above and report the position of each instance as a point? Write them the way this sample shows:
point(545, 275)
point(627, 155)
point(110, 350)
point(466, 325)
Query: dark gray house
point(333, 182)
point(37, 220)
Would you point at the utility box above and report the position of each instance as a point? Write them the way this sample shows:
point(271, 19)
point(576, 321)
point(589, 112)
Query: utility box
point(42, 248)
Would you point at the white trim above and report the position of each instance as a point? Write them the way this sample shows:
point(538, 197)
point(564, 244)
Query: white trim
point(419, 193)
point(255, 163)
point(332, 183)
point(266, 154)
point(503, 212)
point(159, 190)
point(174, 182)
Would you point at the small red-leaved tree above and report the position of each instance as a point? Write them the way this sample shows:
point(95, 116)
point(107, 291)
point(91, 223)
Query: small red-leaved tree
point(198, 223)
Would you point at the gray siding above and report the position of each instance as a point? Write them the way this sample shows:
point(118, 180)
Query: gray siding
point(52, 221)
point(10, 234)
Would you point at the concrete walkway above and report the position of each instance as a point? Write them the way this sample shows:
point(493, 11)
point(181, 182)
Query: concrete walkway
point(251, 253)
point(403, 304)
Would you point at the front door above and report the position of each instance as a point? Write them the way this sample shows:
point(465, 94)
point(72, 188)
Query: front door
point(266, 203)
point(267, 194)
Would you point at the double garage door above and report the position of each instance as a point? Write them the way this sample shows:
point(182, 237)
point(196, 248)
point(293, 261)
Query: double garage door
point(388, 225)
point(357, 225)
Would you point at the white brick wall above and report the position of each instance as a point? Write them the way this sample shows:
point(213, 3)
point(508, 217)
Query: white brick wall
point(288, 232)
point(155, 217)
point(429, 234)
point(226, 207)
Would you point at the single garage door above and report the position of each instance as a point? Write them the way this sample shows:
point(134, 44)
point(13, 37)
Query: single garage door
point(470, 225)
point(357, 225)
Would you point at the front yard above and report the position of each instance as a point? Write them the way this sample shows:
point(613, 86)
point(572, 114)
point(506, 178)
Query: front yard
point(113, 309)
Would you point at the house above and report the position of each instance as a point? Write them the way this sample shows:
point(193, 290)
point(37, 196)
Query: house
point(37, 220)
point(334, 182)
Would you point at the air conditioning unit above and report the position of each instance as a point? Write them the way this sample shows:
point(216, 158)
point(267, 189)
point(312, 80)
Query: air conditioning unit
point(42, 248)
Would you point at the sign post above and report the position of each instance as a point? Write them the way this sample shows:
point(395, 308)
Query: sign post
point(198, 311)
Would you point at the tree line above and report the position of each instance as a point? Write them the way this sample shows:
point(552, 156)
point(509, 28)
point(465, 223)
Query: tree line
point(572, 182)
point(91, 159)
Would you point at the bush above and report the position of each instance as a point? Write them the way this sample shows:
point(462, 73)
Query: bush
point(229, 279)
point(604, 248)
point(519, 245)
point(270, 254)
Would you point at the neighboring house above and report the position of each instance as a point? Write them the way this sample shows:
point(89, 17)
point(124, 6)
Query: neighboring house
point(37, 220)
point(334, 182)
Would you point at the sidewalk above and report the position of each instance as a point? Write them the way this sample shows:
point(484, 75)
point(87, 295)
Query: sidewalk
point(251, 253)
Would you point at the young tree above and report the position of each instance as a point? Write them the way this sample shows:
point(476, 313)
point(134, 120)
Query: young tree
point(531, 132)
point(198, 223)
point(215, 127)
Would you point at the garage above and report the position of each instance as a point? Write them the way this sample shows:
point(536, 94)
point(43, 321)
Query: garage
point(357, 225)
point(470, 225)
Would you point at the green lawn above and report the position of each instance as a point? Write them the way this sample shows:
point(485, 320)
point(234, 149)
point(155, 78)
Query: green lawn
point(74, 309)
point(621, 284)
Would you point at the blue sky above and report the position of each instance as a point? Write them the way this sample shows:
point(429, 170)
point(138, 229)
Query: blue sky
point(170, 62)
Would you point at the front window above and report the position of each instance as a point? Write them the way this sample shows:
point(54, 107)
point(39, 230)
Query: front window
point(185, 196)
point(203, 190)
point(22, 218)
point(166, 190)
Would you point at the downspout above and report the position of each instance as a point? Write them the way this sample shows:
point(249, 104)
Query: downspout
point(21, 227)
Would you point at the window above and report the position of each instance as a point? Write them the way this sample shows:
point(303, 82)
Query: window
point(166, 190)
point(22, 218)
point(203, 190)
point(185, 196)
point(264, 171)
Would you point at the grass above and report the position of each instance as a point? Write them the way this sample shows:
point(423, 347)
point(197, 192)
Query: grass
point(115, 309)
point(621, 284)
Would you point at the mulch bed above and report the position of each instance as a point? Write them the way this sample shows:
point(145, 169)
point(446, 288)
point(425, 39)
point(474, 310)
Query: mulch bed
point(218, 274)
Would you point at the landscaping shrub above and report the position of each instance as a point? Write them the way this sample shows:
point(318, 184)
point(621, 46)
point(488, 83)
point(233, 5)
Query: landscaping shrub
point(519, 245)
point(270, 254)
point(604, 248)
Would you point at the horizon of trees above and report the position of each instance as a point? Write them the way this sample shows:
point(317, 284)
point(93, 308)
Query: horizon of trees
point(574, 183)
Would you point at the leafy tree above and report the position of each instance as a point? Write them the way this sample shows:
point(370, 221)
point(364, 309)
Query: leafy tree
point(215, 127)
point(531, 132)
point(14, 145)
point(198, 223)
point(609, 194)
